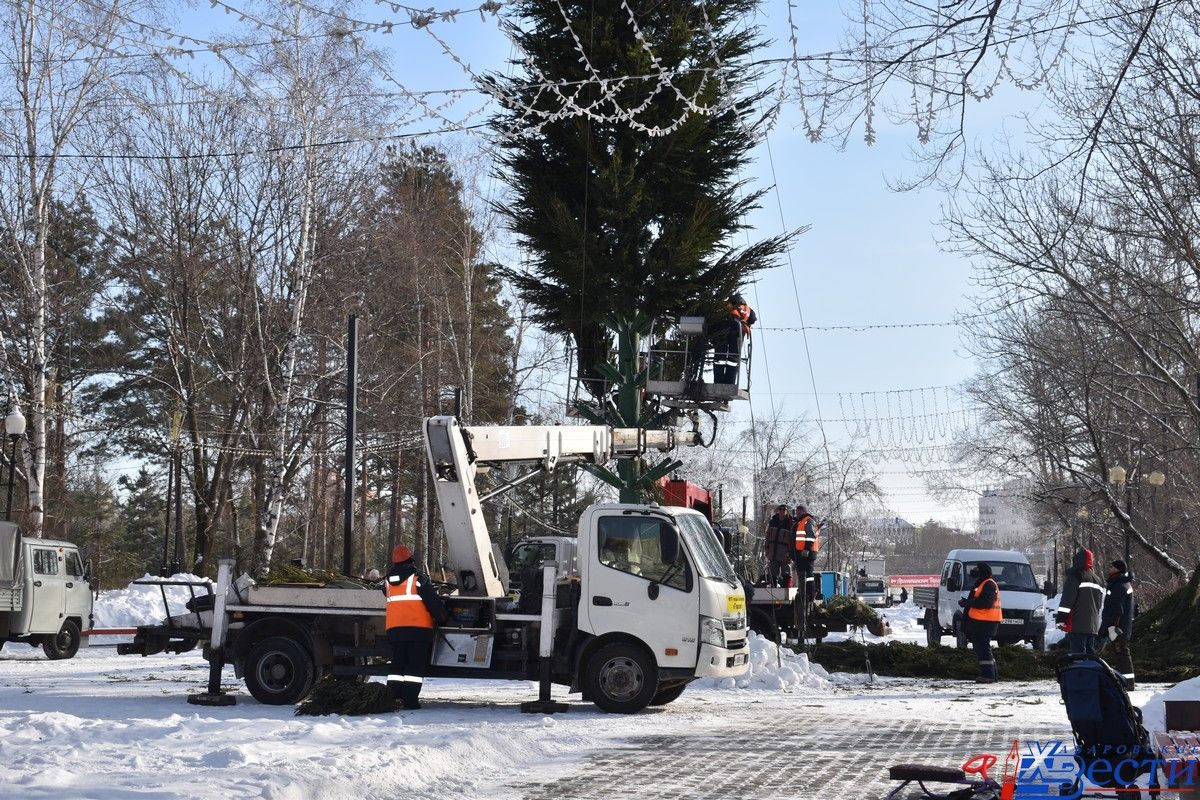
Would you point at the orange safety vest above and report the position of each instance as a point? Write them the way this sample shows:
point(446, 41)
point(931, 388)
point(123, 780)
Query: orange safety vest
point(985, 614)
point(742, 314)
point(804, 542)
point(405, 608)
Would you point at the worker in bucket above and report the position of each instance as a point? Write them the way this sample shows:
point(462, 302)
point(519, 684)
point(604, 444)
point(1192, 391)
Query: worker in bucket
point(727, 337)
point(413, 608)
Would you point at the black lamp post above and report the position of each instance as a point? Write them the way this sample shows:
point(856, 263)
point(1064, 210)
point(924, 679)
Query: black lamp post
point(14, 426)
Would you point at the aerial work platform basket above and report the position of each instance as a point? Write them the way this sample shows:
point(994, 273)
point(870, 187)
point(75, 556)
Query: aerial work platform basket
point(680, 370)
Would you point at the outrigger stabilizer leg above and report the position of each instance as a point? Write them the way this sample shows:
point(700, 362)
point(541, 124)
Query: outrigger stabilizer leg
point(544, 705)
point(214, 696)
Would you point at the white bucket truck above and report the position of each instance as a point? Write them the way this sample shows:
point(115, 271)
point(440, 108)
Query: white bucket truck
point(648, 603)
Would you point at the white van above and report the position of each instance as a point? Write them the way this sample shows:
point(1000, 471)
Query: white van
point(1022, 602)
point(45, 593)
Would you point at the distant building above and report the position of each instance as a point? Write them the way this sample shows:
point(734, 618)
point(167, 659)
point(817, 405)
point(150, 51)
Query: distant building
point(895, 531)
point(1006, 516)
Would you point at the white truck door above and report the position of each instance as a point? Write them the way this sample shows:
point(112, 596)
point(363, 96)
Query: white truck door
point(625, 561)
point(47, 580)
point(951, 592)
point(78, 595)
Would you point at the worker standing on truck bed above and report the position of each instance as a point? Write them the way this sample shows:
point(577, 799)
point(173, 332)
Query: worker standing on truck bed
point(412, 608)
point(778, 545)
point(808, 544)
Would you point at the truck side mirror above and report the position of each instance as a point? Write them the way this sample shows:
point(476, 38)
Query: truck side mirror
point(668, 543)
point(87, 570)
point(1049, 589)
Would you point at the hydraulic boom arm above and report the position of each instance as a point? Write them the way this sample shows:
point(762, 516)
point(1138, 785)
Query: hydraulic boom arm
point(454, 452)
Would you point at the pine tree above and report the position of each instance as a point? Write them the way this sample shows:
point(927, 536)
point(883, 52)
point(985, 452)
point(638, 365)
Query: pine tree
point(628, 218)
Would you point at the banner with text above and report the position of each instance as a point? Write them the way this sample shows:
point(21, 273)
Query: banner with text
point(896, 581)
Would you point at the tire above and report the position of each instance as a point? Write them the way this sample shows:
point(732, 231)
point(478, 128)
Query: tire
point(64, 644)
point(664, 696)
point(960, 635)
point(278, 671)
point(621, 678)
point(763, 625)
point(1039, 642)
point(933, 633)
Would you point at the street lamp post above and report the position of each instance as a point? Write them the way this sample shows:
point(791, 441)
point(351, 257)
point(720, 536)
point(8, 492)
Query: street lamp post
point(1155, 479)
point(1117, 476)
point(14, 426)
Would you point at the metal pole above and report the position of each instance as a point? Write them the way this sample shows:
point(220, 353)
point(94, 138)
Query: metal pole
point(1128, 522)
point(12, 479)
point(180, 547)
point(166, 559)
point(351, 433)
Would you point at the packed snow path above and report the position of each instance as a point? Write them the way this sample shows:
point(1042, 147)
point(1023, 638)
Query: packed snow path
point(109, 727)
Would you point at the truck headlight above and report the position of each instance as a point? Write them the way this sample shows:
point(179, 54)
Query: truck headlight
point(1040, 611)
point(712, 631)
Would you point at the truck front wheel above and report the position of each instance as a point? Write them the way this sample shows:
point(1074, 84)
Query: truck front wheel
point(667, 695)
point(64, 644)
point(933, 632)
point(621, 678)
point(960, 635)
point(278, 671)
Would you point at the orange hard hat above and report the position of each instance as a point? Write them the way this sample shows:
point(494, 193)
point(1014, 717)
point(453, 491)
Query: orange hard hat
point(400, 554)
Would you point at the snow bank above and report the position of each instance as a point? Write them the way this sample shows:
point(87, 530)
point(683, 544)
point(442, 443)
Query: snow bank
point(773, 668)
point(1154, 712)
point(143, 604)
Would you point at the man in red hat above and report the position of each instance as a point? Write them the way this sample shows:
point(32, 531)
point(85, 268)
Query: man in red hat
point(412, 609)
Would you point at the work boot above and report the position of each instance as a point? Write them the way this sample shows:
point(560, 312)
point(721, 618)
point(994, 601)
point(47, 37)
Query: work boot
point(985, 679)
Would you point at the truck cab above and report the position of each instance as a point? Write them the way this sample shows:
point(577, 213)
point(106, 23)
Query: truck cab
point(1023, 604)
point(641, 572)
point(872, 591)
point(45, 593)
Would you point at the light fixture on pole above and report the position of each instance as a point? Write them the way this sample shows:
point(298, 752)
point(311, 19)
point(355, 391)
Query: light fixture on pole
point(1082, 516)
point(1155, 479)
point(1117, 477)
point(14, 426)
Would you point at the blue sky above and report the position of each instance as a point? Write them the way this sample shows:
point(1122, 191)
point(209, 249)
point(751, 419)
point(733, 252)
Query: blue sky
point(871, 255)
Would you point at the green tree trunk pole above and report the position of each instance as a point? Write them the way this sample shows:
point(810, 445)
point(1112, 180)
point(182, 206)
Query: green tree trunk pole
point(629, 403)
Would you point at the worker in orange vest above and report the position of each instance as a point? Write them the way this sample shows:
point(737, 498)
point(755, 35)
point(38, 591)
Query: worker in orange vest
point(727, 336)
point(983, 619)
point(807, 545)
point(412, 609)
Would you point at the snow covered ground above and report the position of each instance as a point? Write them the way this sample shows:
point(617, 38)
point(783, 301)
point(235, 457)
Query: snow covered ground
point(109, 727)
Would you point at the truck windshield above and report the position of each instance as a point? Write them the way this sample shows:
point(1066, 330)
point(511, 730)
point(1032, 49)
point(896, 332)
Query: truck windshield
point(530, 554)
point(705, 548)
point(870, 587)
point(1013, 576)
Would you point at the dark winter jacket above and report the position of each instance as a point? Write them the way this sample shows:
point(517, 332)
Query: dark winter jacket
point(977, 628)
point(437, 609)
point(1082, 597)
point(1118, 606)
point(780, 541)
